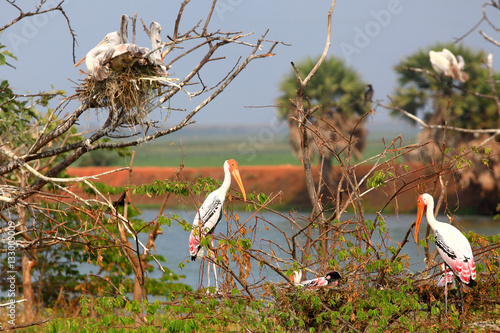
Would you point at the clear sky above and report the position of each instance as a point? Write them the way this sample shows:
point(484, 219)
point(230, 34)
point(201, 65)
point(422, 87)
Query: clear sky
point(371, 36)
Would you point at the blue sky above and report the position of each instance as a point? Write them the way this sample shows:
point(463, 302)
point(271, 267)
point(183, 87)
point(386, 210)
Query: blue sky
point(371, 36)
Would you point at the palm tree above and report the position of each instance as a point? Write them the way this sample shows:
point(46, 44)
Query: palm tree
point(440, 100)
point(338, 92)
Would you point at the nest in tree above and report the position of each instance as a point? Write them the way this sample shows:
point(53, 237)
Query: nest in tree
point(128, 95)
point(308, 304)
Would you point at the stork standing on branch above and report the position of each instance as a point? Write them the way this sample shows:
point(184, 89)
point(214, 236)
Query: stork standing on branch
point(451, 244)
point(210, 214)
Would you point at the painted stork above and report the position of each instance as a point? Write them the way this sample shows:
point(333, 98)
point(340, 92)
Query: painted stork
point(451, 244)
point(332, 277)
point(210, 213)
point(444, 280)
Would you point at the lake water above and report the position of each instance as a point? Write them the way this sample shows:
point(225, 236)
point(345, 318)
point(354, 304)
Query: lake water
point(173, 243)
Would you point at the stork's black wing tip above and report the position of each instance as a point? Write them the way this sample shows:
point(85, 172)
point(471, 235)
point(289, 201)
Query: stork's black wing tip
point(471, 283)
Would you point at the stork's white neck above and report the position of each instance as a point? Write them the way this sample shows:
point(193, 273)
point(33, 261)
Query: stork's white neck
point(227, 181)
point(429, 214)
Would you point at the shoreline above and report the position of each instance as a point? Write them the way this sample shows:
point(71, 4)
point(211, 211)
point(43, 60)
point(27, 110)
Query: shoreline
point(285, 181)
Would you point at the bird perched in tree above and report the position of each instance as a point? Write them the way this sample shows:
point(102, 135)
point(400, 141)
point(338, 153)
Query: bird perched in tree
point(451, 244)
point(445, 63)
point(332, 277)
point(368, 94)
point(210, 213)
point(114, 52)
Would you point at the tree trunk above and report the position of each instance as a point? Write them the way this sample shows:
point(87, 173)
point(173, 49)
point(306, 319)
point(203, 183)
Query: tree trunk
point(28, 288)
point(27, 264)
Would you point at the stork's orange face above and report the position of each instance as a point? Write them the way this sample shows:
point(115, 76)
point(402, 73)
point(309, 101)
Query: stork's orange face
point(420, 214)
point(233, 168)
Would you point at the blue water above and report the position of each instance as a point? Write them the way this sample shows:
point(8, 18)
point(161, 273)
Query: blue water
point(173, 243)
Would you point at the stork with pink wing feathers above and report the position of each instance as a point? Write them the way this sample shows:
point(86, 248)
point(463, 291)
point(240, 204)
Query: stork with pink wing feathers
point(451, 244)
point(210, 214)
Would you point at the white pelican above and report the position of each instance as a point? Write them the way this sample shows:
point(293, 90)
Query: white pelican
point(210, 213)
point(464, 77)
point(113, 51)
point(451, 244)
point(156, 47)
point(155, 56)
point(332, 277)
point(439, 62)
point(453, 70)
point(445, 63)
point(461, 62)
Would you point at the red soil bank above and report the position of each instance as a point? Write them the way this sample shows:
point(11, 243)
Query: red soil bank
point(271, 180)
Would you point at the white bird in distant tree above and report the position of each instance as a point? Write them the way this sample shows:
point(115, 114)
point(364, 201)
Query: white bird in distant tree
point(445, 63)
point(451, 244)
point(439, 62)
point(210, 213)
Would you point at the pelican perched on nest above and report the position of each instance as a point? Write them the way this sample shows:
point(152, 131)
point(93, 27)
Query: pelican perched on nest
point(115, 52)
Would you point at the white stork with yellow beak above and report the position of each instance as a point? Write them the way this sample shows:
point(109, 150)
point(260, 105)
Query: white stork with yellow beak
point(210, 213)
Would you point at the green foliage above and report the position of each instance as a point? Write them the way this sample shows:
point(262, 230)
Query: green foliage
point(4, 53)
point(335, 86)
point(210, 150)
point(193, 312)
point(378, 179)
point(178, 188)
point(416, 91)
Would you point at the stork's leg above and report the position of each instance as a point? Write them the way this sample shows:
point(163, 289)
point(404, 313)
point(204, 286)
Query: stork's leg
point(216, 281)
point(212, 256)
point(208, 274)
point(445, 291)
point(461, 294)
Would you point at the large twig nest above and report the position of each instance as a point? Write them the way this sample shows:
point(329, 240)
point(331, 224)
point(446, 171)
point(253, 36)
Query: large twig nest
point(128, 95)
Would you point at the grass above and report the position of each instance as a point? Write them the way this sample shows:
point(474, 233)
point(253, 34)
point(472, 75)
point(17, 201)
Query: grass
point(213, 153)
point(211, 150)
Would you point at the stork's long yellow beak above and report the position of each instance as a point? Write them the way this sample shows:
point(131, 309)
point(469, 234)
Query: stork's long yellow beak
point(236, 174)
point(420, 215)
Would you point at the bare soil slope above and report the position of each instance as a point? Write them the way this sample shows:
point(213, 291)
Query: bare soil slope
point(285, 179)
